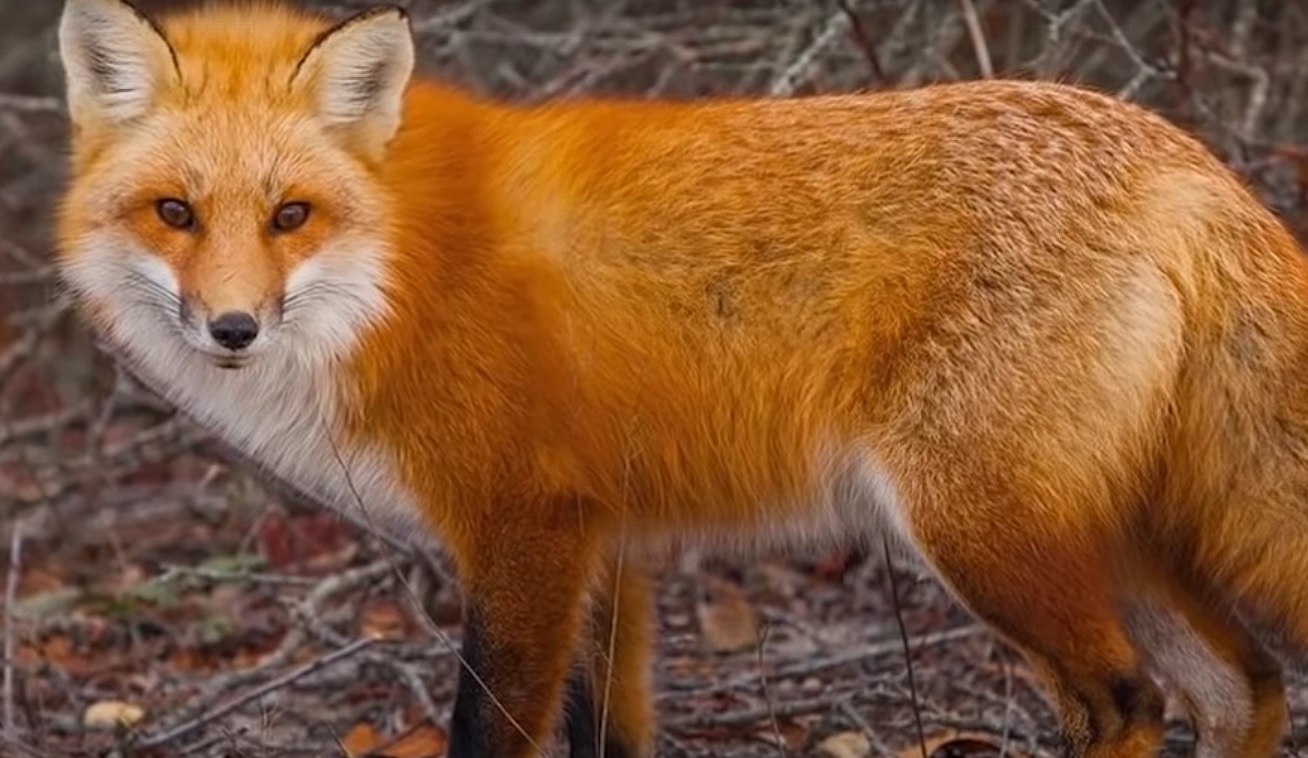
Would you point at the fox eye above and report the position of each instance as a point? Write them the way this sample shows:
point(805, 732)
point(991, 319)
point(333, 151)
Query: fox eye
point(290, 216)
point(175, 213)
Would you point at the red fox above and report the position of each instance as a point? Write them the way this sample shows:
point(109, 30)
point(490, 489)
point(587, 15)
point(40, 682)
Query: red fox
point(1039, 339)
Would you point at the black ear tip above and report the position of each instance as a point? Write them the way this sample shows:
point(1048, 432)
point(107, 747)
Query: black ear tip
point(377, 11)
point(382, 9)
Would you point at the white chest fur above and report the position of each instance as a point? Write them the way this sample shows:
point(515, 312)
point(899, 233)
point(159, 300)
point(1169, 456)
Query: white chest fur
point(280, 414)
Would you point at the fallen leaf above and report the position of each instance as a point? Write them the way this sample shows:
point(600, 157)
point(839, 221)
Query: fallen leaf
point(108, 714)
point(56, 602)
point(426, 741)
point(785, 733)
point(362, 738)
point(845, 745)
point(275, 541)
point(59, 651)
point(833, 566)
point(727, 620)
point(39, 579)
point(301, 540)
point(383, 619)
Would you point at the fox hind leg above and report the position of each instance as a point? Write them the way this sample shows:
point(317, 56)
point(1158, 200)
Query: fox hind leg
point(616, 687)
point(1195, 614)
point(1048, 592)
point(1230, 684)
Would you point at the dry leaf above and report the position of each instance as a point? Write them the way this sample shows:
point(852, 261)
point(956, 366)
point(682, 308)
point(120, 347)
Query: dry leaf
point(361, 738)
point(305, 541)
point(108, 714)
point(785, 733)
point(383, 619)
point(275, 541)
point(58, 650)
point(727, 621)
point(426, 741)
point(833, 566)
point(845, 745)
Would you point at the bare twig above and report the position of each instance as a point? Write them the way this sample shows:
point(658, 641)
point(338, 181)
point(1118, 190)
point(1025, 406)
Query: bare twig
point(11, 597)
point(864, 39)
point(1056, 25)
point(854, 655)
point(789, 80)
point(908, 652)
point(878, 745)
point(765, 632)
point(30, 104)
point(1260, 85)
point(979, 44)
point(756, 714)
point(310, 607)
point(282, 681)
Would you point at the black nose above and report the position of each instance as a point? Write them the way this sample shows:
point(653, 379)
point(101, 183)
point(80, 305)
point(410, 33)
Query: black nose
point(234, 330)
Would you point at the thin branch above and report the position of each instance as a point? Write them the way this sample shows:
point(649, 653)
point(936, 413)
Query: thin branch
point(30, 104)
point(908, 652)
point(282, 681)
point(863, 37)
point(789, 79)
point(766, 631)
point(11, 597)
point(979, 45)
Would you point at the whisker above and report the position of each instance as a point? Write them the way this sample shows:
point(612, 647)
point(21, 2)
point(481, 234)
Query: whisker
point(149, 287)
point(313, 292)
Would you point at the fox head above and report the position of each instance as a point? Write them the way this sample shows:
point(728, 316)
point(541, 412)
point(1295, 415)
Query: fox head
point(225, 195)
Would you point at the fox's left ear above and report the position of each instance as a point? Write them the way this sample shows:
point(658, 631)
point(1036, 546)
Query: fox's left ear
point(356, 73)
point(116, 61)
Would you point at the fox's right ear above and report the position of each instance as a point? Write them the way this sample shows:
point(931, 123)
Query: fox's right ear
point(115, 60)
point(356, 73)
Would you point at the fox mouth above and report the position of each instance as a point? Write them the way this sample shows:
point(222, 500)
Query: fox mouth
point(231, 362)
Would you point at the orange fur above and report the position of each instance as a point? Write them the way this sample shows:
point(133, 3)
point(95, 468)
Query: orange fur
point(1038, 336)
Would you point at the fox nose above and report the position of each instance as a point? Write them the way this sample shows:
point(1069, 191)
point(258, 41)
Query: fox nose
point(234, 330)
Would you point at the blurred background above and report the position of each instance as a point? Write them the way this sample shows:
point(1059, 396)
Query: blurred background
point(163, 599)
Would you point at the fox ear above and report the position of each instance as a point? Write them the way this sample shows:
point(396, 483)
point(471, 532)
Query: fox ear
point(115, 60)
point(356, 73)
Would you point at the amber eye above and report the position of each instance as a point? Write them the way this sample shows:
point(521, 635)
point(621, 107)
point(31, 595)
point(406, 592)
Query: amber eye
point(290, 216)
point(175, 213)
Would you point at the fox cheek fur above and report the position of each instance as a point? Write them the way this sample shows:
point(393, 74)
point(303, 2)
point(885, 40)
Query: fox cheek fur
point(1039, 337)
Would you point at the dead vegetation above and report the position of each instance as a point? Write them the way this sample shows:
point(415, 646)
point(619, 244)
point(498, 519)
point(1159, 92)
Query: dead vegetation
point(161, 599)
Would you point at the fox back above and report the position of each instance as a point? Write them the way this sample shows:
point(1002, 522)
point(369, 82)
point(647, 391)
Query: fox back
point(1039, 339)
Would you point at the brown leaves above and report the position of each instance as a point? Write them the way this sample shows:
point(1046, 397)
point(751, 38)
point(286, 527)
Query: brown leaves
point(382, 618)
point(834, 565)
point(112, 714)
point(845, 745)
point(361, 738)
point(313, 540)
point(727, 620)
point(58, 650)
point(423, 741)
